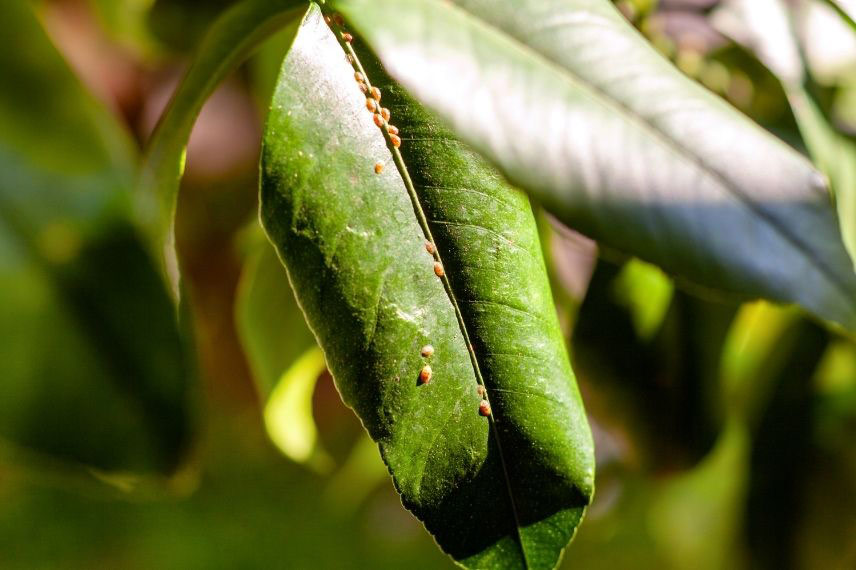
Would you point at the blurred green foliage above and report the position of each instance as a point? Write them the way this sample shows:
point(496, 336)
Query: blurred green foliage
point(94, 369)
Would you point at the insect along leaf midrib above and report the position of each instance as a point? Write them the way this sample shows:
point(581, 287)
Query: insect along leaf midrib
point(431, 247)
point(376, 293)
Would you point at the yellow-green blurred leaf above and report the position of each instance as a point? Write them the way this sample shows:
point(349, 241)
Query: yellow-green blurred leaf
point(283, 355)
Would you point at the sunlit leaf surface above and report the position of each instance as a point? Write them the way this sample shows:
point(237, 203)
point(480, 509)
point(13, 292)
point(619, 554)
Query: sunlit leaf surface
point(351, 219)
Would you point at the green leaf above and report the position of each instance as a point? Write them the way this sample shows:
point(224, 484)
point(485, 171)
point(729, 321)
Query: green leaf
point(92, 363)
point(695, 517)
point(231, 40)
point(647, 293)
point(503, 491)
point(576, 108)
point(755, 351)
point(283, 355)
point(126, 22)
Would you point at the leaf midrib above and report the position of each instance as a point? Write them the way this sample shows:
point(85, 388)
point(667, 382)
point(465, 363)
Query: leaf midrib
point(426, 230)
point(669, 142)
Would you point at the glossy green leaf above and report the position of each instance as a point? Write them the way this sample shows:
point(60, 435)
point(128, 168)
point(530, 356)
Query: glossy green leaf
point(504, 491)
point(283, 356)
point(231, 39)
point(576, 108)
point(92, 364)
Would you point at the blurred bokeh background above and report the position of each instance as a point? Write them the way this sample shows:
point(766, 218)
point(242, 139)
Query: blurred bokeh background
point(725, 433)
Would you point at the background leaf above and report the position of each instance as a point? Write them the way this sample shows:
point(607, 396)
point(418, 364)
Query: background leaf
point(92, 363)
point(229, 41)
point(576, 108)
point(504, 491)
point(283, 355)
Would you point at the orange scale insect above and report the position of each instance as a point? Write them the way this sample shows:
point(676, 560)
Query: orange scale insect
point(425, 374)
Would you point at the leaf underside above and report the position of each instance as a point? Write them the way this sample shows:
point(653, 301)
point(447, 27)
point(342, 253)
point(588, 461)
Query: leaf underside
point(506, 491)
point(766, 29)
point(577, 109)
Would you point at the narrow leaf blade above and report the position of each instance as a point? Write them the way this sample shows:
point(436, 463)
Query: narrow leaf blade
point(506, 491)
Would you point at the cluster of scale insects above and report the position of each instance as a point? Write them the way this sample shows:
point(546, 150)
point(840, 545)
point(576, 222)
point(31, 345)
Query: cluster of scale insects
point(381, 117)
point(425, 377)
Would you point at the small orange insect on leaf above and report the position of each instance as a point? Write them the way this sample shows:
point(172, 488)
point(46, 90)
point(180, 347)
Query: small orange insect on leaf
point(378, 167)
point(427, 351)
point(430, 247)
point(484, 408)
point(384, 112)
point(371, 105)
point(358, 76)
point(425, 374)
point(376, 94)
point(392, 129)
point(396, 141)
point(438, 269)
point(378, 120)
point(347, 37)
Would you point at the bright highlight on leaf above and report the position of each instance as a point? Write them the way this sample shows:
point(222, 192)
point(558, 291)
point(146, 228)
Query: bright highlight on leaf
point(282, 353)
point(766, 28)
point(288, 413)
point(647, 292)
